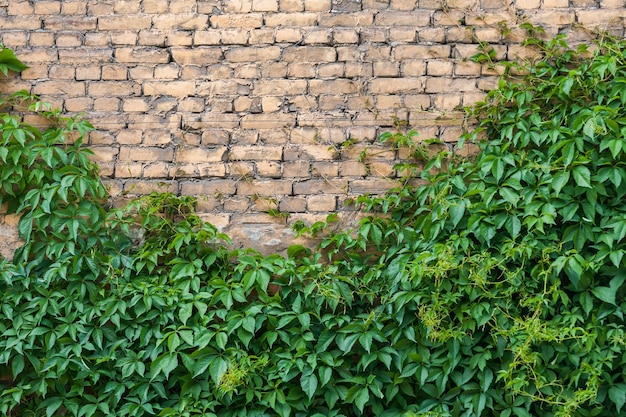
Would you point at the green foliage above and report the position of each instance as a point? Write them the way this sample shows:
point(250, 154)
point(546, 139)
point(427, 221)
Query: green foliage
point(9, 62)
point(495, 289)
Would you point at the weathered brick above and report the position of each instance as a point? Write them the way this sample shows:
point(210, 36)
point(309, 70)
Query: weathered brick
point(113, 88)
point(142, 55)
point(321, 186)
point(188, 21)
point(309, 54)
point(323, 203)
point(256, 153)
point(291, 19)
point(125, 37)
point(317, 5)
point(106, 104)
point(292, 205)
point(403, 4)
point(357, 19)
point(264, 5)
point(397, 85)
point(371, 186)
point(269, 169)
point(124, 22)
point(269, 53)
point(127, 6)
point(418, 19)
point(147, 154)
point(260, 187)
point(169, 88)
point(250, 21)
point(201, 155)
point(291, 5)
point(196, 56)
point(69, 88)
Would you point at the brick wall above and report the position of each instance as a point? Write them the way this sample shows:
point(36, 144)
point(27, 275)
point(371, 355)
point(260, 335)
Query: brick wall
point(248, 103)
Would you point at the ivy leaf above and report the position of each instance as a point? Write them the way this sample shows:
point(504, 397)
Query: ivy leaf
point(308, 383)
point(617, 394)
point(559, 180)
point(607, 294)
point(582, 176)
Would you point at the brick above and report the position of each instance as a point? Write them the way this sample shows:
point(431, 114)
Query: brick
point(114, 72)
point(264, 5)
point(325, 203)
point(324, 169)
point(182, 6)
point(146, 154)
point(352, 169)
point(591, 18)
point(288, 34)
point(142, 55)
point(97, 39)
point(70, 88)
point(278, 87)
point(309, 152)
point(151, 38)
point(333, 87)
point(256, 187)
point(197, 56)
point(156, 137)
point(295, 169)
point(19, 23)
point(256, 153)
point(371, 186)
point(320, 186)
point(269, 169)
point(99, 8)
point(169, 88)
point(78, 104)
point(292, 205)
point(14, 39)
point(332, 70)
point(261, 36)
point(317, 37)
point(33, 72)
point(212, 121)
point(133, 187)
point(106, 104)
point(291, 19)
point(61, 72)
point(309, 54)
point(397, 85)
point(238, 6)
point(179, 38)
point(345, 36)
point(129, 137)
point(113, 88)
point(128, 22)
point(125, 37)
point(269, 53)
point(135, 105)
point(291, 5)
point(317, 5)
point(46, 7)
point(403, 4)
point(268, 121)
point(357, 19)
point(188, 21)
point(249, 21)
point(201, 155)
point(386, 69)
point(127, 6)
point(418, 19)
point(301, 70)
point(206, 37)
point(20, 8)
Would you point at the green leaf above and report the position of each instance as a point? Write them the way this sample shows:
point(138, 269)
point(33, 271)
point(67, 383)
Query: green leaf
point(559, 180)
point(165, 364)
point(582, 176)
point(617, 394)
point(308, 383)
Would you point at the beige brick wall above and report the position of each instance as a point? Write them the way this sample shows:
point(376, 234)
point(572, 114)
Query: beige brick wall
point(247, 103)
